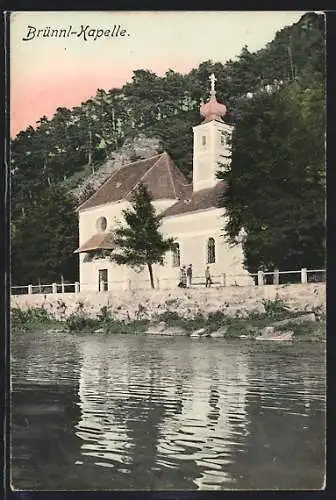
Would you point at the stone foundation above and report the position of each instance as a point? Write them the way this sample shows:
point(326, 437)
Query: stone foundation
point(130, 305)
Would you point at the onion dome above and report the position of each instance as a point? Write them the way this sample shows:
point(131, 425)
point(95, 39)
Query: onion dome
point(212, 110)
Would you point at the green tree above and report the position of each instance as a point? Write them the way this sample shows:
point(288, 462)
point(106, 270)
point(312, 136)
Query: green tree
point(60, 152)
point(166, 106)
point(140, 243)
point(85, 193)
point(276, 183)
point(44, 239)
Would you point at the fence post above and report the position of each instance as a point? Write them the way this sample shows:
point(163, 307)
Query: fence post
point(224, 279)
point(30, 289)
point(76, 287)
point(157, 283)
point(304, 275)
point(54, 288)
point(276, 277)
point(260, 278)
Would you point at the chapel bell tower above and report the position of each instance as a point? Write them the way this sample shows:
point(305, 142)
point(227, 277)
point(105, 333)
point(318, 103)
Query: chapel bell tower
point(212, 142)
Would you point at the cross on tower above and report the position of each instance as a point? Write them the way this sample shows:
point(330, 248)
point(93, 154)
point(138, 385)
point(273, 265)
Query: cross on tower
point(212, 79)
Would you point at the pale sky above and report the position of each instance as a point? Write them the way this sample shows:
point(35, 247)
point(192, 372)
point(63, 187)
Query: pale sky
point(50, 72)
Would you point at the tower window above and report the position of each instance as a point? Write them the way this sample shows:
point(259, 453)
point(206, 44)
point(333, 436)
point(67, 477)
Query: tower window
point(176, 255)
point(211, 251)
point(224, 138)
point(203, 140)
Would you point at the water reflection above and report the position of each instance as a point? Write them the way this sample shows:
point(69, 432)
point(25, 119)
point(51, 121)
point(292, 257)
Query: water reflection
point(214, 390)
point(136, 412)
point(44, 411)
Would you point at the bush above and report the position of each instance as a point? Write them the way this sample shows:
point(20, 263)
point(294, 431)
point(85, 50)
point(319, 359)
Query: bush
point(33, 318)
point(274, 308)
point(61, 307)
point(306, 331)
point(215, 320)
point(105, 315)
point(169, 317)
point(80, 322)
point(32, 315)
point(136, 326)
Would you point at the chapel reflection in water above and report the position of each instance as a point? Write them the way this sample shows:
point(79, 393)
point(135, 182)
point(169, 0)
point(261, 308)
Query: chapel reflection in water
point(135, 412)
point(144, 412)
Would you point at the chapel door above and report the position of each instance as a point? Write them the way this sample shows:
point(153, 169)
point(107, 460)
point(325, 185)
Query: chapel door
point(102, 280)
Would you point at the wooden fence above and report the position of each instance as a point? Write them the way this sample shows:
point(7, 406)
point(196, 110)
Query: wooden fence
point(261, 278)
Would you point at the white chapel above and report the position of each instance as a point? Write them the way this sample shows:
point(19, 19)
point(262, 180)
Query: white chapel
point(190, 214)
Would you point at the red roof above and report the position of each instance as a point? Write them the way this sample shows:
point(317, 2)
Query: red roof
point(198, 200)
point(97, 241)
point(158, 173)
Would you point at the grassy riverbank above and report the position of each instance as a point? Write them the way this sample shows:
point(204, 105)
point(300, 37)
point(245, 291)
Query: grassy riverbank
point(33, 319)
point(250, 325)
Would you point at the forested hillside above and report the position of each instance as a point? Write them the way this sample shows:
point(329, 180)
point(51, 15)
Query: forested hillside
point(50, 160)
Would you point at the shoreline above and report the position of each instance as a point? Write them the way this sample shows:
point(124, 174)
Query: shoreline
point(276, 323)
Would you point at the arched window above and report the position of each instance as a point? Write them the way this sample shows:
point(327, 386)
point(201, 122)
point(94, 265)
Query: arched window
point(101, 224)
point(211, 251)
point(176, 255)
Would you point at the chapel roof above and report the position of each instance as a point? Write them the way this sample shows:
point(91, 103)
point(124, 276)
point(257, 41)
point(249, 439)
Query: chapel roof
point(197, 200)
point(158, 173)
point(97, 241)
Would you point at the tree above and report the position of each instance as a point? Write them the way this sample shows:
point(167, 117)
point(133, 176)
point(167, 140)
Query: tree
point(276, 183)
point(60, 152)
point(179, 145)
point(44, 239)
point(168, 106)
point(85, 193)
point(140, 243)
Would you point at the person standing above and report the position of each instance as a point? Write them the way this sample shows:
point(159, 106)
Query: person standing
point(208, 280)
point(189, 276)
point(183, 278)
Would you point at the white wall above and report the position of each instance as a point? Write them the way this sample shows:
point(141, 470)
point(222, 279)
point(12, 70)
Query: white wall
point(112, 212)
point(191, 231)
point(118, 276)
point(88, 271)
point(207, 157)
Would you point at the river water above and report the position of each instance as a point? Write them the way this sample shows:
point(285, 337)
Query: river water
point(145, 413)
